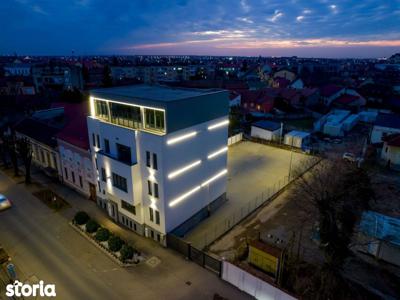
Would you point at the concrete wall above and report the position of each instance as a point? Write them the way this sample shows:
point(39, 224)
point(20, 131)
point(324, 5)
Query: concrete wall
point(252, 285)
point(235, 139)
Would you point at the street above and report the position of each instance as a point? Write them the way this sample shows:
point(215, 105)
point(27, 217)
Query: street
point(45, 247)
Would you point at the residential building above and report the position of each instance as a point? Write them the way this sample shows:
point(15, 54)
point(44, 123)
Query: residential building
point(390, 154)
point(384, 125)
point(160, 155)
point(17, 69)
point(40, 133)
point(57, 76)
point(73, 146)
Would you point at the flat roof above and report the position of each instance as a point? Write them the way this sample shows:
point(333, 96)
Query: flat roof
point(158, 93)
point(267, 125)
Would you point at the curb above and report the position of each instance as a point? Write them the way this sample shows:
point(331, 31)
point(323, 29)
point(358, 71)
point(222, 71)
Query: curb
point(104, 250)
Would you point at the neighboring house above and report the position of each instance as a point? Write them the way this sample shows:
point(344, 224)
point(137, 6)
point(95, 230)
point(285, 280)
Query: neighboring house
point(330, 92)
point(266, 130)
point(289, 75)
point(41, 137)
point(160, 155)
point(258, 101)
point(297, 84)
point(74, 149)
point(385, 124)
point(391, 150)
point(379, 235)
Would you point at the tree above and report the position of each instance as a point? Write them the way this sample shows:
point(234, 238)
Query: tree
point(107, 78)
point(25, 153)
point(81, 218)
point(337, 192)
point(11, 148)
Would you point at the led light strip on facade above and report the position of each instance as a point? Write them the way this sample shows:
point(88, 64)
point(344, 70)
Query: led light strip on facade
point(184, 169)
point(181, 138)
point(222, 173)
point(220, 124)
point(192, 191)
point(184, 196)
point(216, 153)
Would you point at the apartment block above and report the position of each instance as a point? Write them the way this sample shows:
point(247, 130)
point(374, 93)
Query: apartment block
point(160, 155)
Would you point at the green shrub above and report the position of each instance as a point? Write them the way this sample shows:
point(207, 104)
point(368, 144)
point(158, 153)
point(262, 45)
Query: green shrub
point(102, 234)
point(81, 218)
point(115, 243)
point(126, 252)
point(92, 226)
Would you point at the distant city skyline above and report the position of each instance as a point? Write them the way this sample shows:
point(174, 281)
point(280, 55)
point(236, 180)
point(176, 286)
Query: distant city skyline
point(323, 28)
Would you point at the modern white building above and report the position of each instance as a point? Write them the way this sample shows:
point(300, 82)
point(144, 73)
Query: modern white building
point(160, 155)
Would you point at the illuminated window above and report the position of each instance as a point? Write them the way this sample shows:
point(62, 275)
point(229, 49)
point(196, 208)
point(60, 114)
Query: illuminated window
point(125, 115)
point(101, 109)
point(120, 182)
point(154, 119)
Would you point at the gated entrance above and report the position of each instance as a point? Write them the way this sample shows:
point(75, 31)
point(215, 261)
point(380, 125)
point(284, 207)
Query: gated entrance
point(198, 256)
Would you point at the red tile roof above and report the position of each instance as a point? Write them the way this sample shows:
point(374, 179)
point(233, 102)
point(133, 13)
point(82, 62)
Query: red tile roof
point(75, 131)
point(330, 90)
point(347, 99)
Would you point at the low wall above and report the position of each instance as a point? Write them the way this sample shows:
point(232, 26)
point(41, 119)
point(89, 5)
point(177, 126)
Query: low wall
point(235, 139)
point(252, 285)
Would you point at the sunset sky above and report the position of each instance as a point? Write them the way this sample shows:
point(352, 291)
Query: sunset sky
point(351, 28)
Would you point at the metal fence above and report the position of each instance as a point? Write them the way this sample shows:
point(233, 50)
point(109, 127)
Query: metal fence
point(194, 254)
point(250, 206)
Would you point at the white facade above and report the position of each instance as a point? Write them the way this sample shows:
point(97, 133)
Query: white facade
point(169, 176)
point(77, 169)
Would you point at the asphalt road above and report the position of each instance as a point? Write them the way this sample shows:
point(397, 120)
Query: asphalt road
point(45, 247)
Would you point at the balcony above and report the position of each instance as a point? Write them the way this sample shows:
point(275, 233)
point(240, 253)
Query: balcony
point(122, 159)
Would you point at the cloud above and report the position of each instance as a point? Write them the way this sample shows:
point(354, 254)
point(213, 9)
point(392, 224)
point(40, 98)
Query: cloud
point(102, 27)
point(38, 9)
point(277, 15)
point(245, 20)
point(245, 6)
point(333, 8)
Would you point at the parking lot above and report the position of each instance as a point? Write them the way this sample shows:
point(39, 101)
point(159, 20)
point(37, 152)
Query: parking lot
point(254, 172)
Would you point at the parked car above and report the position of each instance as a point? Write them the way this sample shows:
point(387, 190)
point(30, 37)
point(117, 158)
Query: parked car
point(4, 202)
point(349, 157)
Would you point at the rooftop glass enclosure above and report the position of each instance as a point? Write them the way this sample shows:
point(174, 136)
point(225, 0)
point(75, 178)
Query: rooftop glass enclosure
point(130, 116)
